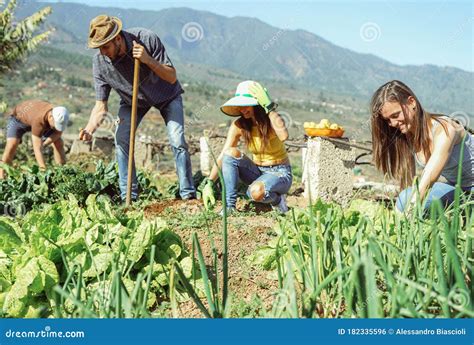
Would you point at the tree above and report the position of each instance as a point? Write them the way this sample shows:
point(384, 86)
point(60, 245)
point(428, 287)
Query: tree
point(17, 39)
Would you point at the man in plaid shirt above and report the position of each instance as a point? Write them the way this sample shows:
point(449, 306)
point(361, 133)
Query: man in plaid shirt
point(158, 87)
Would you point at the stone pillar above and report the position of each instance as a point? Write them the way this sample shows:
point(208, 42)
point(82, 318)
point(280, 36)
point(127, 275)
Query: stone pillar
point(144, 155)
point(105, 146)
point(209, 147)
point(327, 171)
point(79, 146)
point(205, 156)
point(304, 150)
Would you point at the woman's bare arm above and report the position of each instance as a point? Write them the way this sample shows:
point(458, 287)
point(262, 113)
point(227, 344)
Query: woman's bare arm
point(278, 125)
point(443, 144)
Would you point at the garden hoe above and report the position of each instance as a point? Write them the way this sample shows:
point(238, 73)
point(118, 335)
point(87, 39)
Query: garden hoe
point(133, 127)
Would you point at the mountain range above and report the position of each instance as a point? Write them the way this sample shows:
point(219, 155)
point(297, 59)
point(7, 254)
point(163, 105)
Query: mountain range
point(253, 49)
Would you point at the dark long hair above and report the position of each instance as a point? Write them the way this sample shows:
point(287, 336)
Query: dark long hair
point(263, 124)
point(393, 150)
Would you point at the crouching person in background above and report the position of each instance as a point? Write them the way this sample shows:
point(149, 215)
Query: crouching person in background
point(46, 124)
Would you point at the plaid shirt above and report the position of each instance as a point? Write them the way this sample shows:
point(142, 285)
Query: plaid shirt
point(118, 75)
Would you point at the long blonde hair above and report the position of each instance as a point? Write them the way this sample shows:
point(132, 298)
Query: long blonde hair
point(393, 151)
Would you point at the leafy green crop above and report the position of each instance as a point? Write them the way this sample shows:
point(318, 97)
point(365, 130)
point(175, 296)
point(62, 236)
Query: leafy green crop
point(76, 261)
point(23, 190)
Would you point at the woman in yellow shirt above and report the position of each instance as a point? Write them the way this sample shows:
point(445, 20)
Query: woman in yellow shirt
point(268, 173)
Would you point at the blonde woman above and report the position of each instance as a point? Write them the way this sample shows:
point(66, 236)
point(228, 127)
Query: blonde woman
point(262, 130)
point(404, 135)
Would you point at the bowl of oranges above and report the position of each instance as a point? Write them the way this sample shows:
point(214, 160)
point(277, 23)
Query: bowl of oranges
point(323, 129)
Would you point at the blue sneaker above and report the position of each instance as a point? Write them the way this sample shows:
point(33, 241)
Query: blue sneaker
point(230, 211)
point(281, 207)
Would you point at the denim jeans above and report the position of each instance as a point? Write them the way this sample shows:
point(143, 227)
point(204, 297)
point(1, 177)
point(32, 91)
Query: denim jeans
point(276, 179)
point(16, 129)
point(173, 115)
point(439, 191)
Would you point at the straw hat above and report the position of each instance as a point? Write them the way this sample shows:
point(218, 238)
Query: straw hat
point(103, 29)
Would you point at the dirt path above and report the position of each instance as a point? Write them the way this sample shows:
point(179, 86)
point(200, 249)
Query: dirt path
point(246, 232)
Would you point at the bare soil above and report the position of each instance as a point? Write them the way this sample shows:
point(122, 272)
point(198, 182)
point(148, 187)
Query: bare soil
point(247, 231)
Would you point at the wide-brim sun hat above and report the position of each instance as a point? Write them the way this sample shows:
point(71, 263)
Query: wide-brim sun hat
point(60, 118)
point(103, 29)
point(242, 98)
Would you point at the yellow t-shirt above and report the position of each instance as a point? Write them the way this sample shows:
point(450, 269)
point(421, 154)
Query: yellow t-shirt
point(273, 154)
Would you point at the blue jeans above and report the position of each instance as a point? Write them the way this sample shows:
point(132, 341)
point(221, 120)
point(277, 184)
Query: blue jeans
point(173, 115)
point(276, 179)
point(439, 191)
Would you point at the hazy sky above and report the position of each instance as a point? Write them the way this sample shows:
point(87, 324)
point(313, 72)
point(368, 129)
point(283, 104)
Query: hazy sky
point(402, 32)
